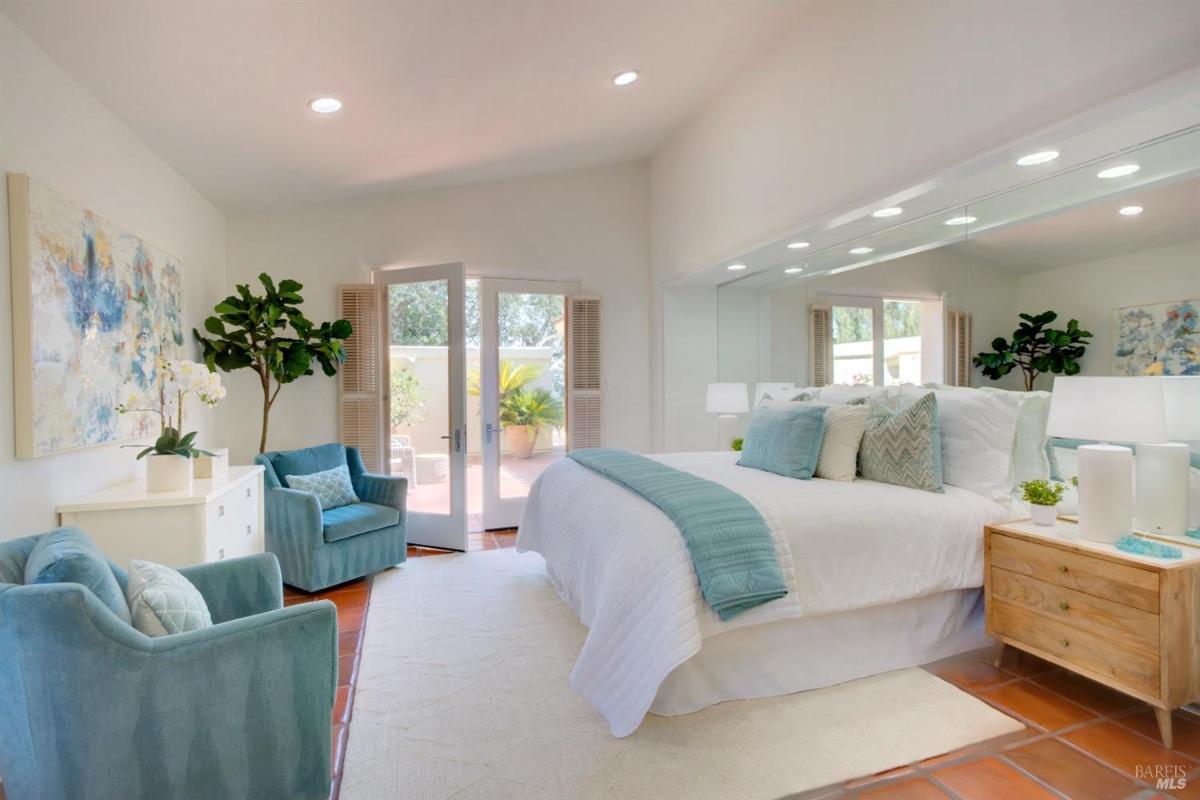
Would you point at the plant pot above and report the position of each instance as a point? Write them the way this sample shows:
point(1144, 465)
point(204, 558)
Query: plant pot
point(521, 439)
point(168, 473)
point(1043, 515)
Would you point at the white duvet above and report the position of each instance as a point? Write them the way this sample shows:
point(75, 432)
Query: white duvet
point(622, 565)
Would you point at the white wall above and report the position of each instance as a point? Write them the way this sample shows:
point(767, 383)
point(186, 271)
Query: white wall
point(54, 131)
point(588, 225)
point(1090, 291)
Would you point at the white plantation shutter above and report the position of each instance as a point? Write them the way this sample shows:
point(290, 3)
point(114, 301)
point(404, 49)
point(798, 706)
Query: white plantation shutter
point(821, 344)
point(958, 348)
point(361, 379)
point(584, 387)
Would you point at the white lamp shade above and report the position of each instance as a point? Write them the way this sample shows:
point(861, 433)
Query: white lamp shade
point(1108, 409)
point(727, 398)
point(1181, 397)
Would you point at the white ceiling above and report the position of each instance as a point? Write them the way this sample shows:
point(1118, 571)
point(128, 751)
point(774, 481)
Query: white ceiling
point(436, 92)
point(1094, 231)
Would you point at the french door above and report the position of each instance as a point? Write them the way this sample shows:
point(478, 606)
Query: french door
point(424, 391)
point(521, 390)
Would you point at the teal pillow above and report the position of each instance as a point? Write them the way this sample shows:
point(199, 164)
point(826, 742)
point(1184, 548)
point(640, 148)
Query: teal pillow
point(67, 555)
point(331, 486)
point(903, 447)
point(784, 440)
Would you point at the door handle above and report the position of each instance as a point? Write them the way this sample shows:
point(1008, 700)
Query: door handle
point(457, 440)
point(488, 431)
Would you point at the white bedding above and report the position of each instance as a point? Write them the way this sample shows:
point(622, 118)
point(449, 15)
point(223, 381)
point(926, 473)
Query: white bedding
point(622, 565)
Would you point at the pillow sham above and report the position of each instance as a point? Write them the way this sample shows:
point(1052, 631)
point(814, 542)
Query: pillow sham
point(978, 430)
point(163, 602)
point(847, 393)
point(784, 439)
point(903, 447)
point(67, 555)
point(844, 426)
point(331, 486)
point(1030, 458)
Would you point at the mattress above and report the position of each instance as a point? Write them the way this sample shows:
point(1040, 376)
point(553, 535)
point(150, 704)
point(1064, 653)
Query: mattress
point(622, 565)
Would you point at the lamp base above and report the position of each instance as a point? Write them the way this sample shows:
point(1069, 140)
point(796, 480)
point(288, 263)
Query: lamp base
point(1162, 488)
point(1105, 492)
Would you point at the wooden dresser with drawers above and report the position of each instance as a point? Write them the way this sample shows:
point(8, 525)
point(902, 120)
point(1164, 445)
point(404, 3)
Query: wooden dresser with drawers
point(1129, 622)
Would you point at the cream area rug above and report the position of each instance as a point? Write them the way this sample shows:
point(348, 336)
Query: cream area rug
point(463, 695)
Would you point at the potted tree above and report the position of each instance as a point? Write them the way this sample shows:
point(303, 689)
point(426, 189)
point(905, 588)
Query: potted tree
point(1036, 349)
point(523, 414)
point(1043, 497)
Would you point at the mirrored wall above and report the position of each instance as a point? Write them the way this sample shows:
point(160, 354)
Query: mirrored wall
point(1114, 244)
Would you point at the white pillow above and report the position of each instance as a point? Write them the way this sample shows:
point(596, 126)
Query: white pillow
point(844, 427)
point(1029, 448)
point(978, 431)
point(844, 393)
point(162, 602)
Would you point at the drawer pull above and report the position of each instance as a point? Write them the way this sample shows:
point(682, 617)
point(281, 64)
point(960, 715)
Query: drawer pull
point(247, 530)
point(247, 491)
point(1065, 643)
point(1063, 568)
point(220, 511)
point(221, 554)
point(1064, 605)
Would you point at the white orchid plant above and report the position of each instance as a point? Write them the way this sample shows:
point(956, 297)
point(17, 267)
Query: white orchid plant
point(176, 380)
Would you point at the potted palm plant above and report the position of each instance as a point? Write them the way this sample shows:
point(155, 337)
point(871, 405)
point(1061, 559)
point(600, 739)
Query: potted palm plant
point(523, 414)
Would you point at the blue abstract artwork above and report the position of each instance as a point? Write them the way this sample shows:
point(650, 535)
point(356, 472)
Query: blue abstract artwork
point(1160, 339)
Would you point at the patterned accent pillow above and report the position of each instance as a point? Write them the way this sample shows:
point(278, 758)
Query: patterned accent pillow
point(332, 486)
point(163, 602)
point(903, 447)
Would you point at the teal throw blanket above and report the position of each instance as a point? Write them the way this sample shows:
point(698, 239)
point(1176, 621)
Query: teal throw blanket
point(730, 545)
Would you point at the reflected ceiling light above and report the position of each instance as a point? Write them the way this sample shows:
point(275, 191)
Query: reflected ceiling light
point(797, 245)
point(1040, 157)
point(325, 105)
point(625, 78)
point(1118, 171)
point(894, 211)
point(793, 270)
point(961, 220)
point(861, 251)
point(736, 267)
point(1131, 211)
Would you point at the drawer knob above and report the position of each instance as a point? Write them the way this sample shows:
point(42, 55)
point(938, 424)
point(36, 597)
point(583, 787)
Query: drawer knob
point(1063, 568)
point(1065, 643)
point(1064, 605)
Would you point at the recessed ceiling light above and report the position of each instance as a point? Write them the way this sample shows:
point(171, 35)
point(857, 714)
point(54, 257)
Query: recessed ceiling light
point(793, 270)
point(625, 78)
point(961, 220)
point(888, 212)
point(861, 251)
point(1119, 171)
point(1040, 157)
point(736, 267)
point(1131, 211)
point(325, 105)
point(797, 245)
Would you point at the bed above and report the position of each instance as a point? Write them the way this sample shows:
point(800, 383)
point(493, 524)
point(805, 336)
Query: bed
point(879, 577)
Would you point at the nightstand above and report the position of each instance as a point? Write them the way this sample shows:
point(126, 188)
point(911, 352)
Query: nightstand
point(1129, 622)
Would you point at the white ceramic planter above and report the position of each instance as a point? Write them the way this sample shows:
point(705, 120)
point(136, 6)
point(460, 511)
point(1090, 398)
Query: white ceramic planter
point(168, 473)
point(1043, 515)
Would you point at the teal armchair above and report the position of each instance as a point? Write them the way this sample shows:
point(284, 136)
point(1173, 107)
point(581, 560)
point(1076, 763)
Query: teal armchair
point(318, 549)
point(91, 708)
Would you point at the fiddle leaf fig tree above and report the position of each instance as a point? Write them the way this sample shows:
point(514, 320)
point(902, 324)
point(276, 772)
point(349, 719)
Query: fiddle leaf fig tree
point(1036, 349)
point(270, 335)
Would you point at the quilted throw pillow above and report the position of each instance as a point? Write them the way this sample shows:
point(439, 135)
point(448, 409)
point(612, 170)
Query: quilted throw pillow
point(163, 602)
point(903, 447)
point(332, 486)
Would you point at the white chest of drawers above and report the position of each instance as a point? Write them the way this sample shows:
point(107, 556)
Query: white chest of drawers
point(217, 518)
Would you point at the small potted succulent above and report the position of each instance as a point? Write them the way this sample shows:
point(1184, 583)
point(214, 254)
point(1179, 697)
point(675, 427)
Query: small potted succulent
point(1043, 497)
point(169, 459)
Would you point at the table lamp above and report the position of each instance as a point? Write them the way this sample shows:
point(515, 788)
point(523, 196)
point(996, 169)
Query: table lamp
point(1106, 410)
point(726, 400)
point(1163, 469)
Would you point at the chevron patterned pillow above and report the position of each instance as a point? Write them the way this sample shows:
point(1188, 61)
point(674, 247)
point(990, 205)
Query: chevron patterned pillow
point(903, 447)
point(332, 487)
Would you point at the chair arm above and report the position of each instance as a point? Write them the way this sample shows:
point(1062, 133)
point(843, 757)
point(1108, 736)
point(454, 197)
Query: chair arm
point(239, 587)
point(384, 490)
point(294, 516)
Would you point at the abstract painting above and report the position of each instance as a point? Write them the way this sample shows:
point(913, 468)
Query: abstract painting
point(95, 310)
point(1160, 339)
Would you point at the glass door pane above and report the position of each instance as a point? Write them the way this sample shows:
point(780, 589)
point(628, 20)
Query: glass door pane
point(523, 410)
point(425, 399)
point(901, 342)
point(853, 345)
